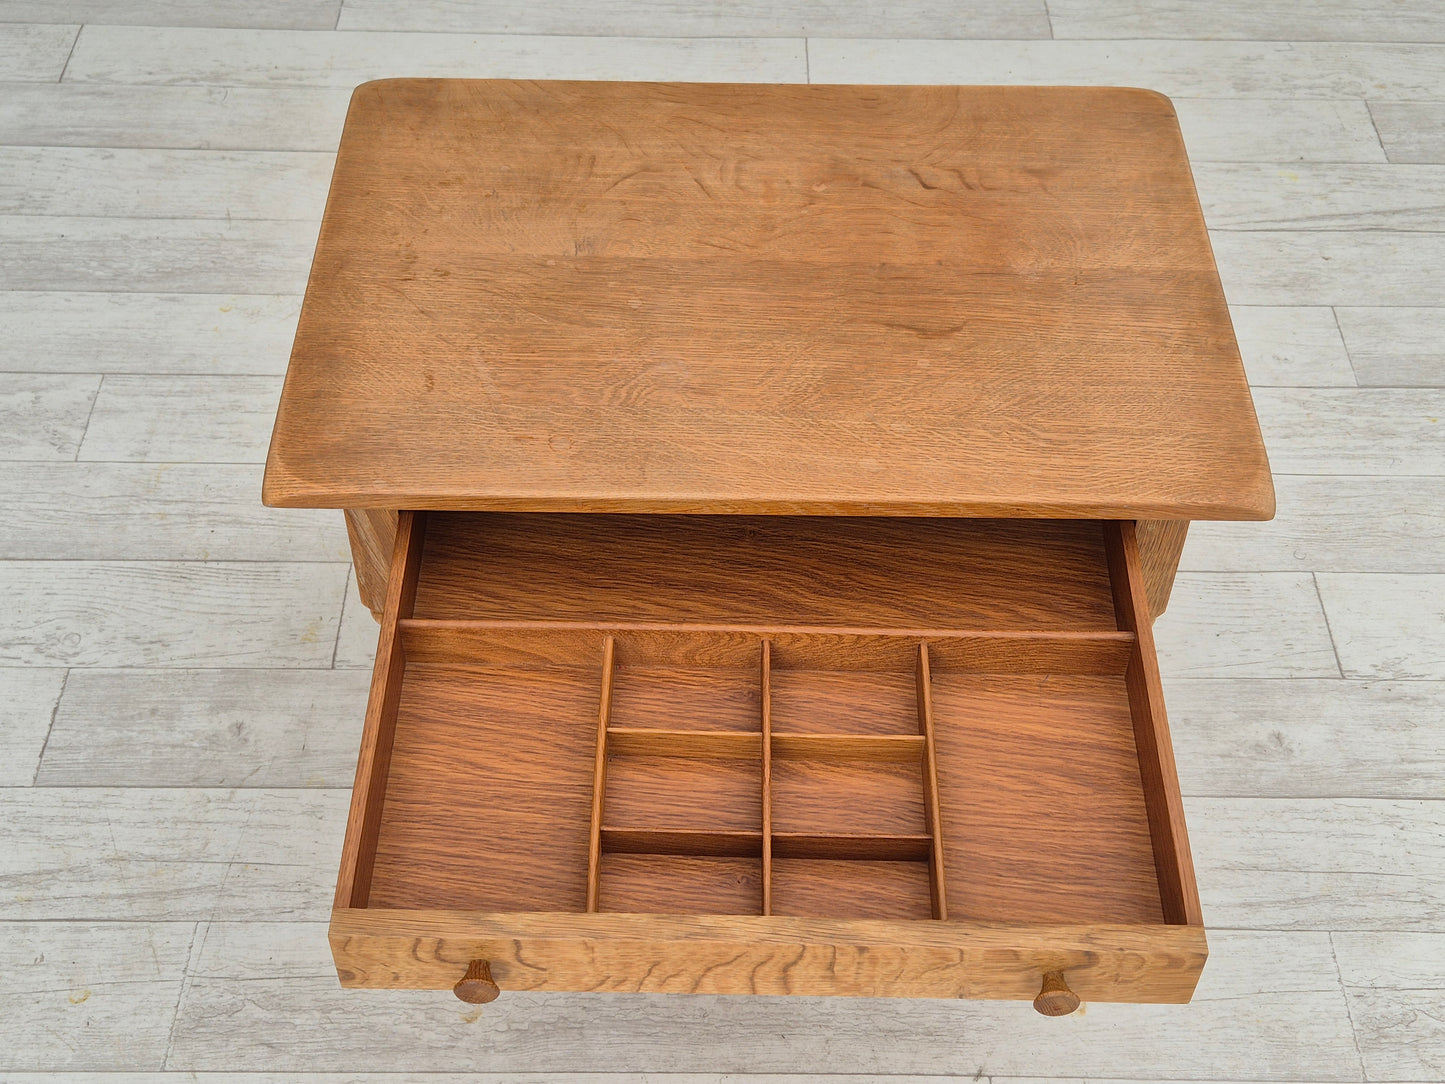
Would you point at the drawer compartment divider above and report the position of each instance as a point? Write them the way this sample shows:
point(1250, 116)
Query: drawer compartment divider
point(599, 776)
point(765, 707)
point(930, 786)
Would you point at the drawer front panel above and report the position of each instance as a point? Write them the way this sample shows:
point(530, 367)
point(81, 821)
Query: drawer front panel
point(677, 955)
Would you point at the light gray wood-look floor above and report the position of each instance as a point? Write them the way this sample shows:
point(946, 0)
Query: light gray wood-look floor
point(182, 672)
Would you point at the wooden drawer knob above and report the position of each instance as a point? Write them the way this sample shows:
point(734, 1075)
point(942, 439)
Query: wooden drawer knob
point(1056, 999)
point(477, 987)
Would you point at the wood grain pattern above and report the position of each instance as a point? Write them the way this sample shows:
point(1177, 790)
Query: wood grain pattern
point(692, 842)
point(743, 18)
point(932, 816)
point(599, 770)
point(684, 792)
point(922, 765)
point(235, 118)
point(372, 534)
point(765, 689)
point(667, 329)
point(705, 744)
point(708, 659)
point(861, 846)
point(683, 698)
point(832, 798)
point(661, 884)
point(1161, 544)
point(195, 419)
point(1399, 347)
point(1178, 894)
point(168, 854)
point(156, 512)
point(1043, 812)
point(778, 571)
point(156, 183)
point(427, 949)
point(868, 748)
point(852, 888)
point(373, 765)
point(44, 416)
point(289, 14)
point(174, 333)
point(1249, 20)
point(1264, 994)
point(183, 728)
point(1292, 70)
point(169, 614)
point(36, 52)
point(465, 827)
point(290, 58)
point(861, 703)
point(109, 990)
point(1411, 131)
point(29, 702)
point(41, 253)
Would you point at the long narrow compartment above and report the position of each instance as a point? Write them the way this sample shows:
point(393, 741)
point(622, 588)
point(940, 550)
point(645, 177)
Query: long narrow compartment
point(895, 719)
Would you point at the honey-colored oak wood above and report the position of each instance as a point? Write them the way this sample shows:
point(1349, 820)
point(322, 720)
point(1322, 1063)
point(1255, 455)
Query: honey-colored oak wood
point(1161, 544)
point(476, 986)
point(1054, 997)
point(768, 570)
point(373, 764)
point(768, 751)
point(599, 772)
point(665, 664)
point(750, 954)
point(933, 818)
point(1178, 892)
point(372, 534)
point(841, 300)
point(544, 767)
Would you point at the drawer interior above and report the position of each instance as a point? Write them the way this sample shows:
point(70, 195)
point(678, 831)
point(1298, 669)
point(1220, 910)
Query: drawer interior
point(811, 717)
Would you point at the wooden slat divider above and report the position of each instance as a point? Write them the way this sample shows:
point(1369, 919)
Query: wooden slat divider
point(931, 813)
point(704, 744)
point(721, 843)
point(599, 777)
point(891, 748)
point(374, 762)
point(864, 846)
point(765, 677)
point(1178, 892)
point(485, 643)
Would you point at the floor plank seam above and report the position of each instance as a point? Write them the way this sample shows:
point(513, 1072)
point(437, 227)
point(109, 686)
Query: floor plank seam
point(341, 620)
point(84, 429)
point(1349, 1013)
point(1325, 613)
point(192, 959)
point(73, 43)
point(54, 711)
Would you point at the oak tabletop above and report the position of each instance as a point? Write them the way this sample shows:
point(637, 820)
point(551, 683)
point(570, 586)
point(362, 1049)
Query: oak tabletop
point(671, 297)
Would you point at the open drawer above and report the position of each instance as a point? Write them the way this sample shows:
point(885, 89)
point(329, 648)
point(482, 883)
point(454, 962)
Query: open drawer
point(773, 755)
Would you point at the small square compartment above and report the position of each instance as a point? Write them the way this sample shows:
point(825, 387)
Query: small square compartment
point(848, 797)
point(667, 884)
point(685, 698)
point(833, 888)
point(844, 701)
point(680, 793)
